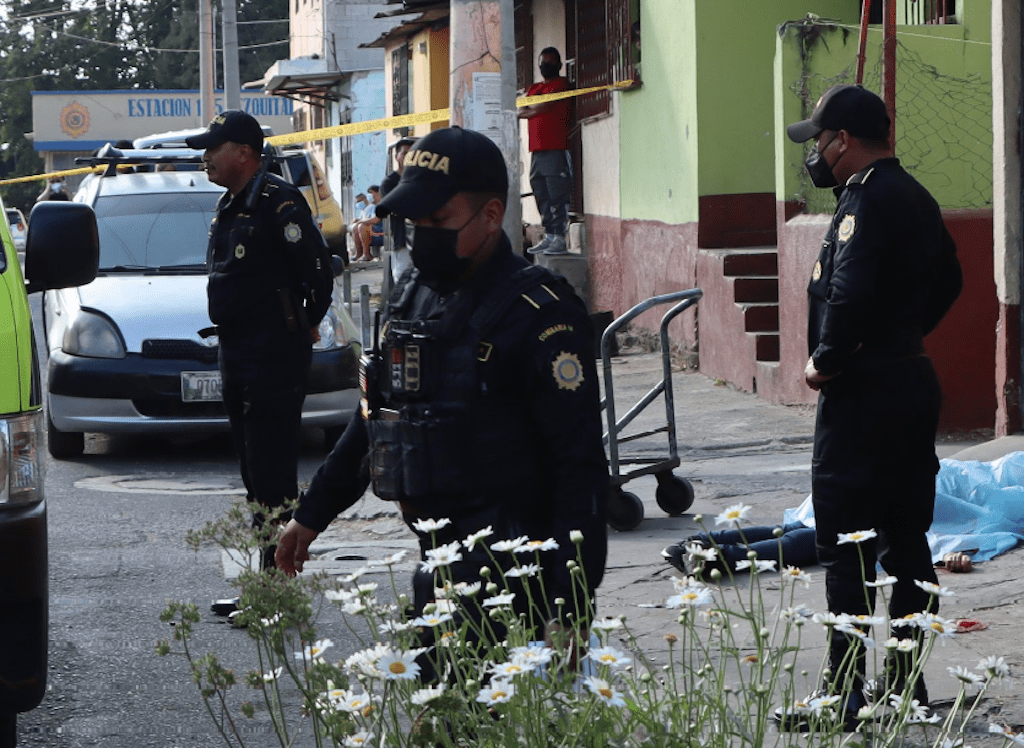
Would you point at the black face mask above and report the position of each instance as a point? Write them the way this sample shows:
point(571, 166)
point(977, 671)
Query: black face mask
point(818, 169)
point(549, 70)
point(433, 254)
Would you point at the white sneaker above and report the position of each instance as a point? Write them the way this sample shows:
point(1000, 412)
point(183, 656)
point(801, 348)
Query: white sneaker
point(542, 245)
point(557, 246)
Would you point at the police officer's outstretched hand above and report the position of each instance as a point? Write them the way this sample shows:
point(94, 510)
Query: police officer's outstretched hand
point(293, 548)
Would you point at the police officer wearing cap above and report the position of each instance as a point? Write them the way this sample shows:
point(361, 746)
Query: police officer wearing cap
point(886, 275)
point(482, 404)
point(262, 250)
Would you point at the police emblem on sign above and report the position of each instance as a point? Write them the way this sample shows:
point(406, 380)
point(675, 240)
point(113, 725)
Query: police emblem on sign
point(292, 232)
point(239, 251)
point(847, 227)
point(567, 370)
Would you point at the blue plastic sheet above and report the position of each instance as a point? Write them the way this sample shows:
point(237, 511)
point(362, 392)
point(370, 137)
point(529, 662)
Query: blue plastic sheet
point(979, 507)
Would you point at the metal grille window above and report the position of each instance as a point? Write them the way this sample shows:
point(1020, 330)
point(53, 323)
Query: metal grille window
point(600, 50)
point(929, 12)
point(400, 80)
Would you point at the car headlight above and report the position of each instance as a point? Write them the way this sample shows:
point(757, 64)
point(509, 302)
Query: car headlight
point(332, 332)
point(21, 470)
point(91, 335)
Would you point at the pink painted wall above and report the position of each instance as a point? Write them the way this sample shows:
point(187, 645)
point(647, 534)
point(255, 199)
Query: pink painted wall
point(631, 261)
point(963, 347)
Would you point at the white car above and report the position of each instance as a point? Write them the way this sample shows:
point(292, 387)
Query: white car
point(19, 228)
point(125, 353)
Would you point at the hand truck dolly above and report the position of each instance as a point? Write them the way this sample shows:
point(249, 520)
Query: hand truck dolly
point(674, 495)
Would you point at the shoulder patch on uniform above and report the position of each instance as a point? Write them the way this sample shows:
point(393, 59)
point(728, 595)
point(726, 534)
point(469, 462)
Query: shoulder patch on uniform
point(282, 205)
point(539, 295)
point(292, 232)
point(847, 227)
point(553, 330)
point(567, 370)
point(816, 273)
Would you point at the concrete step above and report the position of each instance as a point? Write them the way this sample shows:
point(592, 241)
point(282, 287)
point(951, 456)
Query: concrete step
point(754, 289)
point(747, 261)
point(766, 346)
point(760, 317)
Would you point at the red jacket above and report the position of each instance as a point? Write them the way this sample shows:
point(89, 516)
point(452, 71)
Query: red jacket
point(549, 131)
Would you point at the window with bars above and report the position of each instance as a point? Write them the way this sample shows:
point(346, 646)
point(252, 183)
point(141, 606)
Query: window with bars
point(400, 80)
point(600, 50)
point(524, 43)
point(929, 12)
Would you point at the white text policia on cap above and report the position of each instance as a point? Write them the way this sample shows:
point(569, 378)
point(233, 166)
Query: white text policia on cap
point(427, 160)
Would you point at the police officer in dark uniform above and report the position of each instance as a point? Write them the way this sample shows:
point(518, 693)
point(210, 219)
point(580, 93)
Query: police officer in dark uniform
point(264, 250)
point(481, 405)
point(886, 275)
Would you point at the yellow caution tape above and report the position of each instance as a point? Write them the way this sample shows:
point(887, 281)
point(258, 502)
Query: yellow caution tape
point(359, 128)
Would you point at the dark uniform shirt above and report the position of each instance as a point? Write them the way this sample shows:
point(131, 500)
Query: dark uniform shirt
point(254, 253)
point(536, 365)
point(886, 274)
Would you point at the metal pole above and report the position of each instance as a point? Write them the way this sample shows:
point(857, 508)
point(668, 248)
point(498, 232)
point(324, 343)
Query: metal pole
point(865, 17)
point(483, 87)
point(232, 81)
point(206, 61)
point(889, 66)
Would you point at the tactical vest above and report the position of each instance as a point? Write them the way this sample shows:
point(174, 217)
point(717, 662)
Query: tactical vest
point(438, 442)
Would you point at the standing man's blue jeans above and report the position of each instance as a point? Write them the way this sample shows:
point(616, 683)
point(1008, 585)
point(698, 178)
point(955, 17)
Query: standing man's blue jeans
point(551, 182)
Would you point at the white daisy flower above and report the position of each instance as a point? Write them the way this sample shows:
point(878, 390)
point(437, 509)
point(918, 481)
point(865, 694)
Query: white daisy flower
point(919, 714)
point(394, 558)
point(537, 545)
point(575, 536)
point(531, 657)
point(886, 581)
point(509, 669)
point(430, 525)
point(467, 589)
point(689, 599)
point(1005, 731)
point(471, 540)
point(509, 545)
point(276, 618)
point(966, 677)
point(498, 692)
point(398, 665)
point(995, 667)
point(609, 656)
point(433, 620)
point(933, 589)
point(797, 575)
point(797, 613)
point(603, 690)
point(346, 701)
point(498, 600)
point(529, 570)
point(352, 577)
point(354, 608)
point(360, 739)
point(733, 515)
point(272, 675)
point(364, 662)
point(758, 565)
point(394, 627)
point(366, 588)
point(426, 695)
point(341, 596)
point(314, 651)
point(941, 627)
point(819, 704)
point(606, 624)
point(862, 619)
point(857, 536)
point(827, 619)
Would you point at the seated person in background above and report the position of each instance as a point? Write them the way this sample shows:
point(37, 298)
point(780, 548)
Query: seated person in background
point(367, 229)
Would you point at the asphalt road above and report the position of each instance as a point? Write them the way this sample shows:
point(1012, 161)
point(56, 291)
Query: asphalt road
point(117, 523)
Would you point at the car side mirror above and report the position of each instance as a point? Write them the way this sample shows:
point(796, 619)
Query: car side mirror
point(62, 248)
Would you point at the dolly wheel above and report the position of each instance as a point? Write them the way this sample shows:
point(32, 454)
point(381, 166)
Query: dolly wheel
point(625, 510)
point(674, 495)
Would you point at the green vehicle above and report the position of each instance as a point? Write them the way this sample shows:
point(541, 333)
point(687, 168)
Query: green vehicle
point(62, 250)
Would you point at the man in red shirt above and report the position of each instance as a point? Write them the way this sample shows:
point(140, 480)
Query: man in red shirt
point(550, 162)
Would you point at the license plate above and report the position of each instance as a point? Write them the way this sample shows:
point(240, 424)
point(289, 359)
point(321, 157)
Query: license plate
point(200, 386)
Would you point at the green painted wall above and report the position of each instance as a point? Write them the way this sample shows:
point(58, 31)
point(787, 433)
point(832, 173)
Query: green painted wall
point(703, 122)
point(658, 122)
point(943, 103)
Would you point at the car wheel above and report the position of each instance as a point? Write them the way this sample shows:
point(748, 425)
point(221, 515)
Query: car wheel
point(63, 445)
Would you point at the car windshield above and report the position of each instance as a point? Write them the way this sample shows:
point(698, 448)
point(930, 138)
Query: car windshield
point(154, 232)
